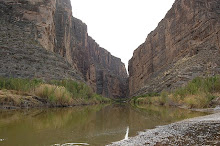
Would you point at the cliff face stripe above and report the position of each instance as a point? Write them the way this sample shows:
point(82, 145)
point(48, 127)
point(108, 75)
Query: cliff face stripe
point(40, 28)
point(184, 45)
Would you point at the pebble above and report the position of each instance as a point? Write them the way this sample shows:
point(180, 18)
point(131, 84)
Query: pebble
point(180, 133)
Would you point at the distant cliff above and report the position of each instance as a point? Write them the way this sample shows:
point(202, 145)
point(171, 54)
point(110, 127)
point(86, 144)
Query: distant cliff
point(106, 73)
point(185, 44)
point(42, 39)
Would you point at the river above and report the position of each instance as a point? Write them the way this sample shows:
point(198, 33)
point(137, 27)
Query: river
point(86, 125)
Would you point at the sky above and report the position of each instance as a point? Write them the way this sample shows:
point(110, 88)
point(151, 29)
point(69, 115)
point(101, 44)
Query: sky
point(120, 26)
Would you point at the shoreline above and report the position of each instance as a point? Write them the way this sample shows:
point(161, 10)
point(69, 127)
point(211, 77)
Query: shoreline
point(203, 130)
point(13, 100)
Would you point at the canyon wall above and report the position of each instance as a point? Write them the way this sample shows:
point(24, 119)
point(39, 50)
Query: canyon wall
point(106, 73)
point(51, 44)
point(185, 44)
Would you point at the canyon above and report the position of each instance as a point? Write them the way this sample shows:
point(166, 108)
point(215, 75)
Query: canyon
point(184, 45)
point(41, 39)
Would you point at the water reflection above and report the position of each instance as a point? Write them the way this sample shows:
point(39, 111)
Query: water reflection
point(94, 125)
point(71, 144)
point(126, 135)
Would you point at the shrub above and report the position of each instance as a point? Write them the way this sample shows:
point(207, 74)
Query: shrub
point(196, 94)
point(61, 92)
point(197, 101)
point(163, 98)
point(190, 101)
point(141, 98)
point(19, 84)
point(78, 90)
point(55, 94)
point(146, 100)
point(100, 98)
point(199, 84)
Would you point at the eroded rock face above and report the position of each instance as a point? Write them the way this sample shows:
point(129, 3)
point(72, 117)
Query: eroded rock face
point(21, 43)
point(106, 73)
point(186, 44)
point(49, 25)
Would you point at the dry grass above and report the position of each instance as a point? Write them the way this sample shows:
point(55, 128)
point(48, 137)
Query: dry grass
point(59, 95)
point(11, 97)
point(199, 93)
point(14, 99)
point(201, 100)
point(196, 101)
point(55, 94)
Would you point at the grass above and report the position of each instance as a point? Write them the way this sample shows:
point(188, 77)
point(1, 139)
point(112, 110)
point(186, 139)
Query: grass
point(17, 84)
point(146, 98)
point(199, 93)
point(57, 93)
point(78, 90)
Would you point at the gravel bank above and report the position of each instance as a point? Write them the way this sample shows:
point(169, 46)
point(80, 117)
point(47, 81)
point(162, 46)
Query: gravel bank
point(196, 131)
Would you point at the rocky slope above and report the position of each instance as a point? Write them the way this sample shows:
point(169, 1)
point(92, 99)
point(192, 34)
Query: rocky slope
point(185, 44)
point(42, 39)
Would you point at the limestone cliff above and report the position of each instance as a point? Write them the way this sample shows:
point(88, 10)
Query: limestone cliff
point(185, 44)
point(106, 73)
point(41, 38)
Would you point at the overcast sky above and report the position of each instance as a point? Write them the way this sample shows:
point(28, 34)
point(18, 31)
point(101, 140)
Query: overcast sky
point(120, 26)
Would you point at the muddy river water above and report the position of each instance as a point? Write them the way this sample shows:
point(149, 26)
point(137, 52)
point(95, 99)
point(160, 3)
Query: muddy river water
point(86, 125)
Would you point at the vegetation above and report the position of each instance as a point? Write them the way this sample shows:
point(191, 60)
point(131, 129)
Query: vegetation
point(199, 93)
point(140, 98)
point(17, 84)
point(57, 93)
point(78, 90)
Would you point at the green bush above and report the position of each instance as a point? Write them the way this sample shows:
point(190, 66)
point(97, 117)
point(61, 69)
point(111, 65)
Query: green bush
point(78, 90)
point(19, 84)
point(148, 96)
point(198, 93)
point(101, 98)
point(54, 90)
point(199, 84)
point(153, 94)
point(163, 98)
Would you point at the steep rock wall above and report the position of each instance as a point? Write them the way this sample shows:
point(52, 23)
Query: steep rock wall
point(106, 73)
point(185, 44)
point(50, 25)
point(22, 36)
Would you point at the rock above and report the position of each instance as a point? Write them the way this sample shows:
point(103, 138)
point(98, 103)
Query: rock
point(184, 45)
point(216, 101)
point(42, 39)
point(196, 131)
point(106, 73)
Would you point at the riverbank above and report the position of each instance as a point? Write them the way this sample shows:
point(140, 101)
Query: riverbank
point(30, 93)
point(199, 93)
point(200, 131)
point(11, 99)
